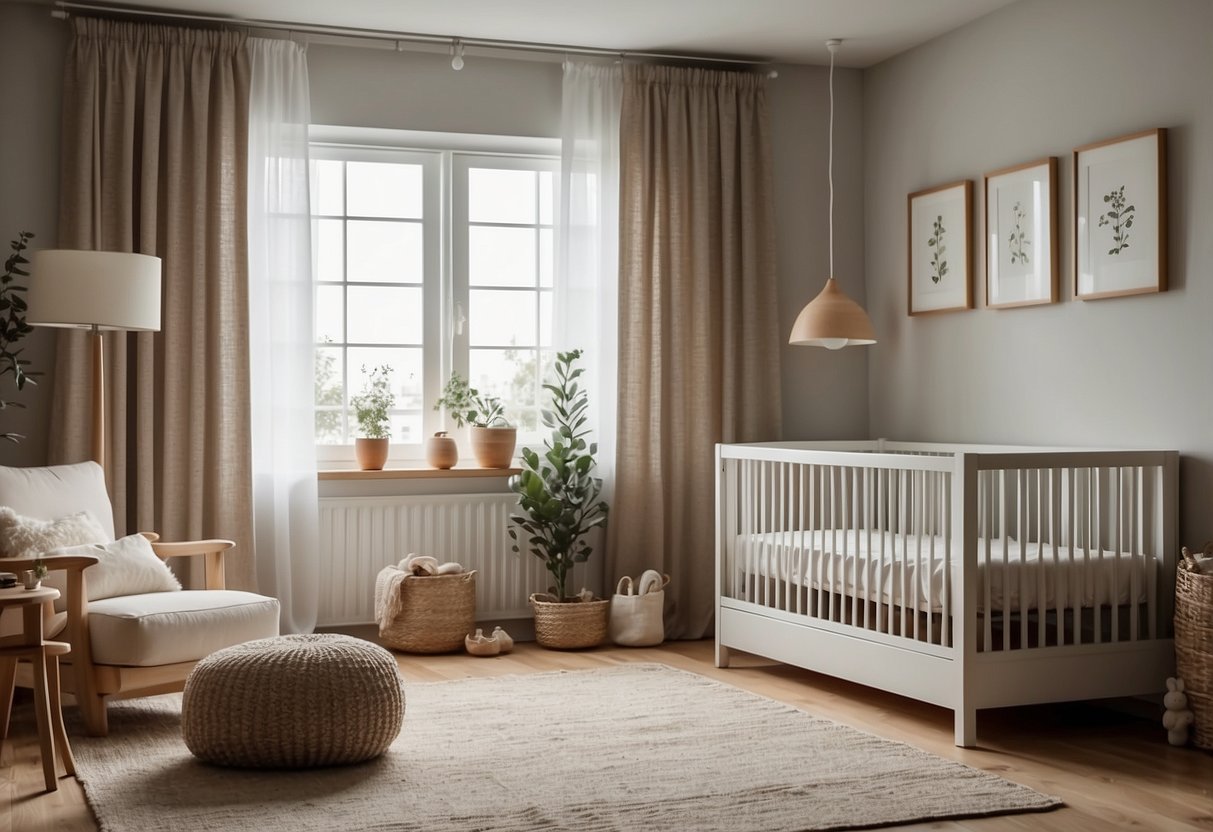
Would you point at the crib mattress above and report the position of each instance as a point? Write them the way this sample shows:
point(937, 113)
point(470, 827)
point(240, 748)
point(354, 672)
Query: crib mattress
point(898, 569)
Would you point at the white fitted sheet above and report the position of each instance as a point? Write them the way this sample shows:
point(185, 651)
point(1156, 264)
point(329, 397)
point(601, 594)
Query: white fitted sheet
point(898, 569)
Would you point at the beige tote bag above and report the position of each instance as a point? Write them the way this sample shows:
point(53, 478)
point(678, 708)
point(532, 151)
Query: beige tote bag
point(637, 618)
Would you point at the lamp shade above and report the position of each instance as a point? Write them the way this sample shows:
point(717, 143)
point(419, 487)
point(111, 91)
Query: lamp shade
point(102, 289)
point(832, 320)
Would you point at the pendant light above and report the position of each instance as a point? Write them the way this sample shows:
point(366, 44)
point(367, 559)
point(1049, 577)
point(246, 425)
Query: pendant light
point(832, 320)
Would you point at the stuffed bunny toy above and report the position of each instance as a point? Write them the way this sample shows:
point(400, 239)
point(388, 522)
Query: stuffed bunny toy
point(1177, 718)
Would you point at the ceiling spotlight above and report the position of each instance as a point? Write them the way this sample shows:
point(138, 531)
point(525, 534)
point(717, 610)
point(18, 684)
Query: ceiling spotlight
point(456, 55)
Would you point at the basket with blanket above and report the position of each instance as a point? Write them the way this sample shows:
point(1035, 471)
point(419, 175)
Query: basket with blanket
point(423, 606)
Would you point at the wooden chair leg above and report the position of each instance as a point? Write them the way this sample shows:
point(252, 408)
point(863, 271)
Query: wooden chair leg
point(42, 709)
point(92, 710)
point(8, 681)
point(56, 702)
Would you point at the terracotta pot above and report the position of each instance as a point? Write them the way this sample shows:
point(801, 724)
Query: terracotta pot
point(494, 447)
point(371, 453)
point(441, 451)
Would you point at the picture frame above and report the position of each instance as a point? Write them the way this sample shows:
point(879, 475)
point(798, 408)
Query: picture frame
point(1021, 235)
point(1120, 216)
point(939, 237)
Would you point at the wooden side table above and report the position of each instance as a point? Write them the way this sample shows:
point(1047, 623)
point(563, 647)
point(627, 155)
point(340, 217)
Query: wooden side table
point(44, 656)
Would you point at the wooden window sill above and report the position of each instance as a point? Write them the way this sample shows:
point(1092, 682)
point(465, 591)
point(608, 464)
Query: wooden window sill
point(417, 473)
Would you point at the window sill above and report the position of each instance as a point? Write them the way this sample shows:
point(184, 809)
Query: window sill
point(456, 473)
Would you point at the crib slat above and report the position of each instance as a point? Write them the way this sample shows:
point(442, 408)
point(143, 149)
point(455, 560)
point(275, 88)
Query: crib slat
point(1118, 527)
point(1059, 576)
point(819, 530)
point(946, 616)
point(1097, 545)
point(1134, 550)
point(803, 584)
point(985, 568)
point(884, 620)
point(1006, 568)
point(917, 485)
point(1039, 567)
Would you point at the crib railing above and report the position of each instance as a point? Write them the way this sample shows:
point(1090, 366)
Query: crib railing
point(1068, 547)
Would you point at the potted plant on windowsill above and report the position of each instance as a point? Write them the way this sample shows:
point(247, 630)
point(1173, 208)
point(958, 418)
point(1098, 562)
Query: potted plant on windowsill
point(371, 408)
point(558, 499)
point(492, 437)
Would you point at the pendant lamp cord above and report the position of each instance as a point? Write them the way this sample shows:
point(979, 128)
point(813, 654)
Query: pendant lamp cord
point(832, 46)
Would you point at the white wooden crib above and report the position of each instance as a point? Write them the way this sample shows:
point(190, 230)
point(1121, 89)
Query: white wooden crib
point(965, 576)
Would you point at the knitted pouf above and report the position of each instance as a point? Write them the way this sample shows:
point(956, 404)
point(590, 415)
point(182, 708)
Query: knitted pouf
point(293, 702)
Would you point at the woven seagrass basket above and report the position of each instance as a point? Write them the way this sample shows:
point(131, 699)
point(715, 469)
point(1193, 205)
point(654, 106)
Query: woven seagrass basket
point(436, 612)
point(1194, 647)
point(571, 625)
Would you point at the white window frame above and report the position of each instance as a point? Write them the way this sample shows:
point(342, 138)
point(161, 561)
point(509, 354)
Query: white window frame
point(445, 340)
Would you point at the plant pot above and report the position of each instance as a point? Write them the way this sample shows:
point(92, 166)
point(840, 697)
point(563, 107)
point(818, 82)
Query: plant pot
point(571, 625)
point(371, 453)
point(494, 447)
point(441, 451)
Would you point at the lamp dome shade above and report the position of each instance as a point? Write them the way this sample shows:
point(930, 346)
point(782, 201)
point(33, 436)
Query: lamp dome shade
point(832, 320)
point(103, 289)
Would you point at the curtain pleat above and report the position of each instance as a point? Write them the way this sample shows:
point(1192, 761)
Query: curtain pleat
point(154, 160)
point(698, 328)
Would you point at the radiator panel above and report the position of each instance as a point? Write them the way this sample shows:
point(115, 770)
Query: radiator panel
point(361, 535)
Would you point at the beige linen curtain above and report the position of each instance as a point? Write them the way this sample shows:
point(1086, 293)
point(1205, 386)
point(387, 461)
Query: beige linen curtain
point(698, 333)
point(154, 160)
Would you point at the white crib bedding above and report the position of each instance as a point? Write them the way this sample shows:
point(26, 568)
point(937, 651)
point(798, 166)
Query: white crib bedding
point(1038, 573)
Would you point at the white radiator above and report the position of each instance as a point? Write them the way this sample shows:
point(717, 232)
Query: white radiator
point(361, 535)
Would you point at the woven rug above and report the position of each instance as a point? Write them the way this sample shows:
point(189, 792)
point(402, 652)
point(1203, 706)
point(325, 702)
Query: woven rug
point(635, 747)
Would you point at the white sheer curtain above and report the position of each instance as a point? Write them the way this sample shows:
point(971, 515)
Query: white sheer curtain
point(587, 243)
point(281, 340)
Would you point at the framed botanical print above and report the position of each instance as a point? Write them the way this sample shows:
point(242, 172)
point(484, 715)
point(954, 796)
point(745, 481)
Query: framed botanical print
point(940, 229)
point(1021, 234)
point(1120, 216)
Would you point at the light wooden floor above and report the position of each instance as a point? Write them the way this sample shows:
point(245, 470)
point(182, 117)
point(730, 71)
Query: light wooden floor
point(1114, 771)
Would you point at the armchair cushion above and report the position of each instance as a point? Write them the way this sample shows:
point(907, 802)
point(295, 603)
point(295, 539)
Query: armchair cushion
point(56, 490)
point(29, 537)
point(161, 628)
point(128, 566)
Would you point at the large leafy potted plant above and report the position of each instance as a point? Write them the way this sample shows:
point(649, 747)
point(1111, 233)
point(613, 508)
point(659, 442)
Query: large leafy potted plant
point(371, 408)
point(12, 324)
point(492, 437)
point(559, 504)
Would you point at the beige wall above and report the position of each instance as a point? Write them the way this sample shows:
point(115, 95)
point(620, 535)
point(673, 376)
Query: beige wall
point(32, 47)
point(1038, 78)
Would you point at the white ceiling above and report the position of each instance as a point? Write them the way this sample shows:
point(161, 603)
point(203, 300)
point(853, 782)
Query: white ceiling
point(791, 31)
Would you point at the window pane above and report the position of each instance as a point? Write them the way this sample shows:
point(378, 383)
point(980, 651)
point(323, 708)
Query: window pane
point(329, 396)
point(327, 191)
point(546, 196)
point(501, 256)
point(384, 189)
point(329, 254)
point(545, 319)
point(406, 364)
point(501, 195)
point(387, 252)
point(501, 318)
point(330, 313)
point(384, 315)
point(512, 376)
point(547, 254)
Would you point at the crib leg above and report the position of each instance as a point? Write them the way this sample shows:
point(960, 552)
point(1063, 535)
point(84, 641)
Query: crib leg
point(966, 727)
point(722, 655)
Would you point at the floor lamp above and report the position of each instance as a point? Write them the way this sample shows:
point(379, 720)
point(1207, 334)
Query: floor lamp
point(95, 290)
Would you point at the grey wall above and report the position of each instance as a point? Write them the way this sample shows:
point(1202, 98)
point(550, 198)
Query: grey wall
point(363, 87)
point(32, 48)
point(1038, 78)
point(824, 392)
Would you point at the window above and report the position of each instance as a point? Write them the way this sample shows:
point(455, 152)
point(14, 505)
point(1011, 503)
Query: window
point(430, 261)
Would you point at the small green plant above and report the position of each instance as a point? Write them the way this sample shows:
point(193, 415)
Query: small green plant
point(1119, 216)
point(372, 405)
point(1018, 237)
point(939, 266)
point(12, 324)
point(40, 570)
point(558, 494)
point(467, 405)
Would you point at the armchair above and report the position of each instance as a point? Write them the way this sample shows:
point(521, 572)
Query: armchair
point(129, 645)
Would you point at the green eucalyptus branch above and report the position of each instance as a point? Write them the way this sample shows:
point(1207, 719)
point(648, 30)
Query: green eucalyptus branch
point(12, 324)
point(373, 405)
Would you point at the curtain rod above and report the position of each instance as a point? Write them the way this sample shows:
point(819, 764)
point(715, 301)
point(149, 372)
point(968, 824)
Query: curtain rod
point(64, 7)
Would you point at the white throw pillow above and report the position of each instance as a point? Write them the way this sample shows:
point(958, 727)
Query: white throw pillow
point(128, 566)
point(24, 537)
